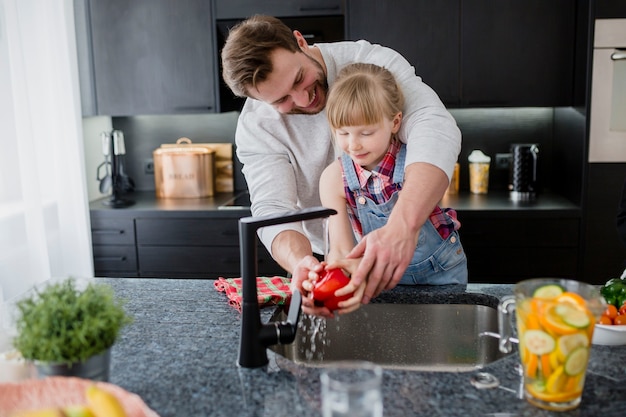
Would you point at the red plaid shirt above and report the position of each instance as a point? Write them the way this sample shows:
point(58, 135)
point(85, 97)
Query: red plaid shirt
point(378, 185)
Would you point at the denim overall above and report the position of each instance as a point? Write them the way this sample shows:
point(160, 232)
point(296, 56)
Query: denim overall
point(436, 261)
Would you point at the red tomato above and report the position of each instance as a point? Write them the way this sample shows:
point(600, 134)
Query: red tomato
point(324, 289)
point(622, 310)
point(620, 320)
point(611, 311)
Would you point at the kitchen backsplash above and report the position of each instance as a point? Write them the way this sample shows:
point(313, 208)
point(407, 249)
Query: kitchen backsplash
point(490, 130)
point(144, 134)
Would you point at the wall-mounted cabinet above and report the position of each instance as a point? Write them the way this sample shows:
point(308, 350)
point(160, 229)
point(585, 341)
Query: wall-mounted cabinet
point(145, 56)
point(237, 9)
point(479, 53)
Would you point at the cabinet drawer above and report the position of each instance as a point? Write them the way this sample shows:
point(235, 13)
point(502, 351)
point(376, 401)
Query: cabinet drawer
point(114, 258)
point(199, 262)
point(112, 231)
point(516, 233)
point(188, 232)
point(510, 265)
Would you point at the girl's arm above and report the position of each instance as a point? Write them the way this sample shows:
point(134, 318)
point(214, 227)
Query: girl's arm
point(341, 237)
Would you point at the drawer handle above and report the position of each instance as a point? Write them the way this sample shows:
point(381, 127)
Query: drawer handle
point(110, 258)
point(108, 232)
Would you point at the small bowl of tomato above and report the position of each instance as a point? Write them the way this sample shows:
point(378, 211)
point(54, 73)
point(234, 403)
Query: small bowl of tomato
point(609, 335)
point(611, 328)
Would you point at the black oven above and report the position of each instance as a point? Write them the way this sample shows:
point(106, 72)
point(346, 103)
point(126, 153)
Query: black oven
point(315, 29)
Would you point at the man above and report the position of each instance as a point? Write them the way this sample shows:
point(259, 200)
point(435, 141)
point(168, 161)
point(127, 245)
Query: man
point(284, 142)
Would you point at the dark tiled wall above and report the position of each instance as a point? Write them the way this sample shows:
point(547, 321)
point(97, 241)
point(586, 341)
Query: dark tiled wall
point(556, 131)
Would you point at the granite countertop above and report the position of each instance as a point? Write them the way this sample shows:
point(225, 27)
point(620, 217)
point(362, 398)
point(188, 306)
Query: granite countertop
point(180, 356)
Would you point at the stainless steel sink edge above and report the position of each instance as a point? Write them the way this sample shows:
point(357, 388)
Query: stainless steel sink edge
point(425, 336)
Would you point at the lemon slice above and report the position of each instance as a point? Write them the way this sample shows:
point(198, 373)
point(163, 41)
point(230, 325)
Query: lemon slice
point(576, 362)
point(557, 380)
point(548, 291)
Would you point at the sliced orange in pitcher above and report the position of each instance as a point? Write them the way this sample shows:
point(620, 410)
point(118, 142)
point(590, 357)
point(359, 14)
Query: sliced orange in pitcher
point(572, 298)
point(565, 319)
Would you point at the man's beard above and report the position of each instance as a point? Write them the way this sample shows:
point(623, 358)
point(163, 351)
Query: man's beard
point(322, 86)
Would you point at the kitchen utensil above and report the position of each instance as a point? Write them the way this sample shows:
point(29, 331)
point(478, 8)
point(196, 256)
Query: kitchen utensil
point(555, 324)
point(523, 171)
point(113, 143)
point(106, 179)
point(124, 183)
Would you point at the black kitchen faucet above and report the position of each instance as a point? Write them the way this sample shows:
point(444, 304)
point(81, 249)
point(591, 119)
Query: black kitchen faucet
point(257, 336)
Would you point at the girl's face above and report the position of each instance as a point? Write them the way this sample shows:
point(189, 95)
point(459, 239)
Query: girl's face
point(367, 144)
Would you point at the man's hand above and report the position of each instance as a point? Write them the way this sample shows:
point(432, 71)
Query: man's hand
point(386, 253)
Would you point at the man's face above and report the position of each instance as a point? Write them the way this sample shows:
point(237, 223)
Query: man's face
point(296, 85)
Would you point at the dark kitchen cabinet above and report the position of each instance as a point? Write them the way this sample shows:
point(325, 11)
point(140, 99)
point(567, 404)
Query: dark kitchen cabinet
point(113, 243)
point(426, 33)
point(476, 53)
point(145, 56)
point(508, 248)
point(237, 9)
point(507, 241)
point(175, 241)
point(194, 248)
point(517, 52)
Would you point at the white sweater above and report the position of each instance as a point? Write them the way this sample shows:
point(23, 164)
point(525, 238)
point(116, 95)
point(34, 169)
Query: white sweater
point(283, 156)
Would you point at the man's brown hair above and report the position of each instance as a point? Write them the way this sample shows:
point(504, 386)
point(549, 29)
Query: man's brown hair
point(246, 53)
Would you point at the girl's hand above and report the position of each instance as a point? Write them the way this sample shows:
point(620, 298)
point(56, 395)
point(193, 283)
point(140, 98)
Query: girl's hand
point(303, 279)
point(354, 302)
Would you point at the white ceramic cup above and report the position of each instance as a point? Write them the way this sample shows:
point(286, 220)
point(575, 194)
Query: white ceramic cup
point(352, 388)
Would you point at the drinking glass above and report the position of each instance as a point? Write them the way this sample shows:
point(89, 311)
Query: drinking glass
point(555, 320)
point(352, 388)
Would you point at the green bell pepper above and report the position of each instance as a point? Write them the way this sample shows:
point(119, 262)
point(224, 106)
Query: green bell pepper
point(614, 291)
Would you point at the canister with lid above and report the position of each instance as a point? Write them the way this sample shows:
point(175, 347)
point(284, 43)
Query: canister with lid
point(184, 171)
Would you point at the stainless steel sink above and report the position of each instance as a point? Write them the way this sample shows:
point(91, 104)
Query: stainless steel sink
point(432, 337)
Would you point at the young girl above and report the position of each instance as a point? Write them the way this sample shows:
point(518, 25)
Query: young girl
point(364, 110)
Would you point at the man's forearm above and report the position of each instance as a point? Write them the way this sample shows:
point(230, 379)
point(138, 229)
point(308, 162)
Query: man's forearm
point(289, 247)
point(424, 186)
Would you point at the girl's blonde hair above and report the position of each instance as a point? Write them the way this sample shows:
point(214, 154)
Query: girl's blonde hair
point(363, 94)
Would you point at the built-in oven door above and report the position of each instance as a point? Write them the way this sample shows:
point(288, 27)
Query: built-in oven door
point(607, 128)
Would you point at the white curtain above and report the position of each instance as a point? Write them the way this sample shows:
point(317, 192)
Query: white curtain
point(44, 216)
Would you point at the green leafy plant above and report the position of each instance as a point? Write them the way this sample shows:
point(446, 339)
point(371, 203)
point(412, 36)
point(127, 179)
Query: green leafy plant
point(63, 324)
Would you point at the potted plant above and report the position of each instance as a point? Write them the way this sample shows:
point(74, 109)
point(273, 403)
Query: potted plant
point(68, 331)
